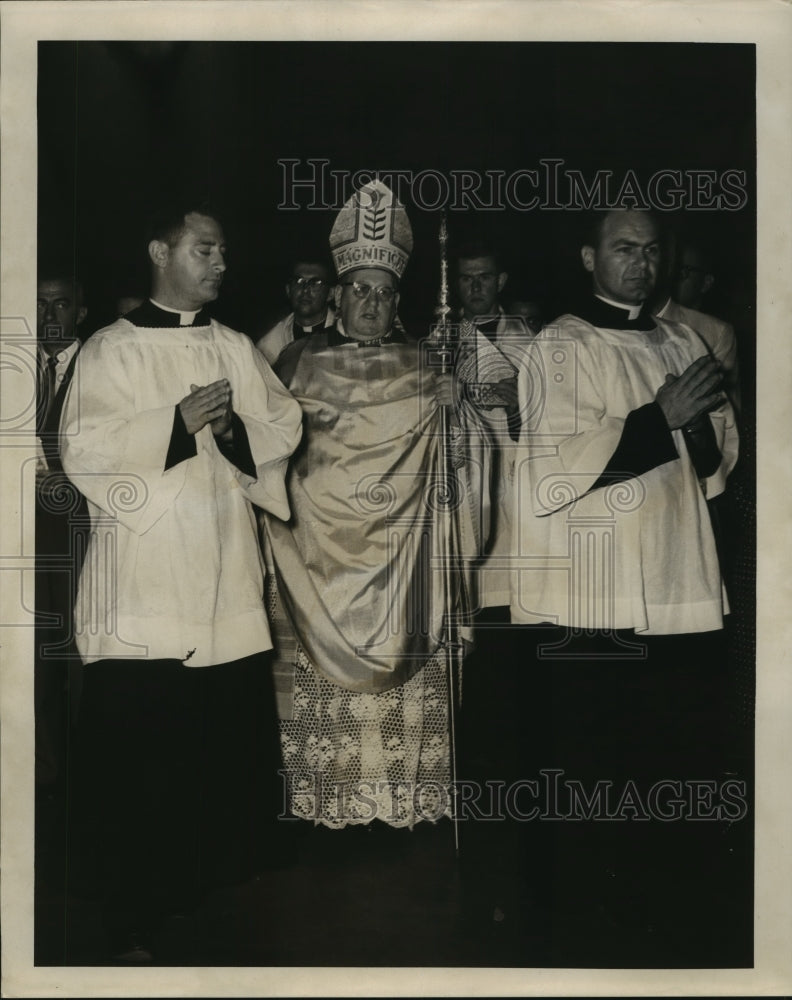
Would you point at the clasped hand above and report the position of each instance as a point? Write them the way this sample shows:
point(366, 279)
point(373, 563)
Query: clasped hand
point(686, 397)
point(208, 404)
point(498, 394)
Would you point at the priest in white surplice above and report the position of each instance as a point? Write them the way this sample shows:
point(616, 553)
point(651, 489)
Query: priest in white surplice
point(174, 428)
point(627, 433)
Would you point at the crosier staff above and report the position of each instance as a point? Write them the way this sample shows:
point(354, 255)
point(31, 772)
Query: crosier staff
point(444, 335)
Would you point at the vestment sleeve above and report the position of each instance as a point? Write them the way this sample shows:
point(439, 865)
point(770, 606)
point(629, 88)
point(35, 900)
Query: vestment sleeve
point(724, 438)
point(237, 450)
point(731, 366)
point(702, 447)
point(182, 443)
point(273, 341)
point(114, 453)
point(644, 444)
point(571, 441)
point(722, 345)
point(724, 426)
point(727, 349)
point(286, 364)
point(272, 421)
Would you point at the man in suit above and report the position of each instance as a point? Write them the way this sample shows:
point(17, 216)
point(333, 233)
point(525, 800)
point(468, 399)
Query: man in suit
point(60, 511)
point(59, 313)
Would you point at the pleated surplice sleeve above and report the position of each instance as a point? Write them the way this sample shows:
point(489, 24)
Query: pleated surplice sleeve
point(125, 445)
point(576, 438)
point(612, 528)
point(113, 449)
point(173, 568)
point(272, 421)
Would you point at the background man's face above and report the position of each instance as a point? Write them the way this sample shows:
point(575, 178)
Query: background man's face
point(625, 263)
point(308, 299)
point(370, 317)
point(58, 311)
point(693, 279)
point(479, 283)
point(195, 265)
point(530, 311)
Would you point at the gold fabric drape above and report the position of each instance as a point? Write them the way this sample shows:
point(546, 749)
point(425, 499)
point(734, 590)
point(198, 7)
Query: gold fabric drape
point(357, 566)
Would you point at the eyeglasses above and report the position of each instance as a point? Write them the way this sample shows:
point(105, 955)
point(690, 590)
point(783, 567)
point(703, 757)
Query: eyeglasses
point(362, 291)
point(310, 283)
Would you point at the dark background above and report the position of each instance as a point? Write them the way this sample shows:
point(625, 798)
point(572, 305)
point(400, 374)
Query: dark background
point(124, 124)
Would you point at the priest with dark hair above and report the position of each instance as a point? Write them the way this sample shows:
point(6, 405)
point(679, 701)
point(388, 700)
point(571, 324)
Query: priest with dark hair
point(175, 428)
point(616, 578)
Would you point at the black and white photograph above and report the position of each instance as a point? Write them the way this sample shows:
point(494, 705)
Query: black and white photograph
point(393, 466)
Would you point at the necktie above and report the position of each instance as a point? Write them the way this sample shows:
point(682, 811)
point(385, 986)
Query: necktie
point(46, 391)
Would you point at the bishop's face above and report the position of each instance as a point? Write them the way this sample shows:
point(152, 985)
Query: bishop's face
point(366, 312)
point(624, 265)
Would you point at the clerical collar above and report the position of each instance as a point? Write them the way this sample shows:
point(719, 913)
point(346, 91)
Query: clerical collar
point(337, 338)
point(186, 317)
point(153, 314)
point(610, 315)
point(632, 311)
point(305, 331)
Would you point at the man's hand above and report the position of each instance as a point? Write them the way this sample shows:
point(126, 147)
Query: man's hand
point(686, 397)
point(445, 390)
point(493, 395)
point(209, 404)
